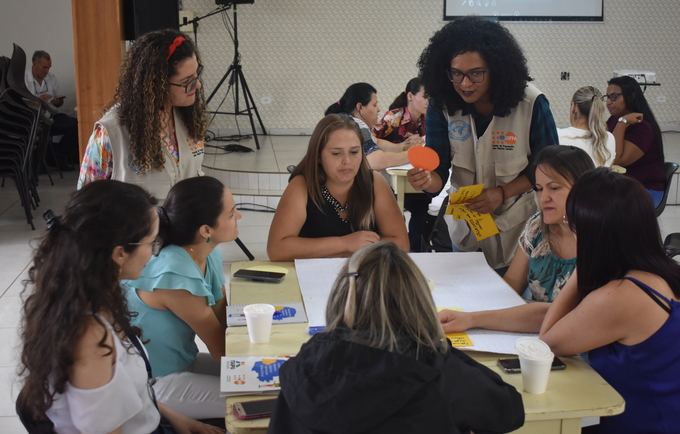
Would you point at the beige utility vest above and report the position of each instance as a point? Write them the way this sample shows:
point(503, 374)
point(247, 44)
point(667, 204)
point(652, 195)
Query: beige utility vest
point(156, 183)
point(494, 159)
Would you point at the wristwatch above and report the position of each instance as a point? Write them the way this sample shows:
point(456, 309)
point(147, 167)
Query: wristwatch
point(622, 119)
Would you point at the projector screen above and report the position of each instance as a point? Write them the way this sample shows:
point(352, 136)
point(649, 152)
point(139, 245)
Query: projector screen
point(526, 10)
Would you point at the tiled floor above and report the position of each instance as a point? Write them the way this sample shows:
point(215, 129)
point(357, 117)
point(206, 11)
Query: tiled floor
point(16, 236)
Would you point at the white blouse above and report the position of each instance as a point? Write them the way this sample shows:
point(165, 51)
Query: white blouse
point(123, 402)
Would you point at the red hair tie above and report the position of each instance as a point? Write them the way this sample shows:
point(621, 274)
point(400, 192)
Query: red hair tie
point(176, 43)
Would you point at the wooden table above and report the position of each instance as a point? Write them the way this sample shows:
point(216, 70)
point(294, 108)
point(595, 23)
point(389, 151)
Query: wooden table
point(576, 392)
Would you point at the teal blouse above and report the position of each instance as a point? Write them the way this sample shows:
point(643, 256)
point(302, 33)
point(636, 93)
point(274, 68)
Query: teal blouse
point(171, 345)
point(547, 273)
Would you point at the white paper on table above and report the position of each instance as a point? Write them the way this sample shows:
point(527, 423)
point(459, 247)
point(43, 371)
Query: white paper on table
point(462, 280)
point(407, 166)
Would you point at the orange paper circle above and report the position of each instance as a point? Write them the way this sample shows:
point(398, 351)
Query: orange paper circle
point(425, 158)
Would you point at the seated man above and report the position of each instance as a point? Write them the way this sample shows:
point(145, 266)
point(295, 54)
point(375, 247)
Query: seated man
point(45, 86)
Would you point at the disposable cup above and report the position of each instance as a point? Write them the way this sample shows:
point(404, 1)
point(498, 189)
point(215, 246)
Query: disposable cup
point(259, 322)
point(535, 361)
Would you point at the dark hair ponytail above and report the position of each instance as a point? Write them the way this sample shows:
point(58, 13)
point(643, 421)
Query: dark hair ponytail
point(356, 93)
point(191, 203)
point(414, 85)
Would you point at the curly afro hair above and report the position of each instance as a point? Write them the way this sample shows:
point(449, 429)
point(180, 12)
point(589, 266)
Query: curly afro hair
point(507, 65)
point(143, 91)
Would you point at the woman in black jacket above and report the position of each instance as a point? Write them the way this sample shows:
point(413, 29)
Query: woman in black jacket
point(383, 364)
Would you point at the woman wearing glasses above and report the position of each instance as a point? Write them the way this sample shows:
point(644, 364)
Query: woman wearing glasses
point(181, 294)
point(152, 133)
point(486, 121)
point(82, 363)
point(639, 146)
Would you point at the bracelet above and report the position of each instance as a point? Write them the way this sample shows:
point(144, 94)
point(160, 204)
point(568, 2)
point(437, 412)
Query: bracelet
point(405, 148)
point(502, 191)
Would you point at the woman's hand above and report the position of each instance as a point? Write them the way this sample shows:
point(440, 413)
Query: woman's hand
point(634, 118)
point(419, 179)
point(453, 321)
point(359, 239)
point(487, 201)
point(413, 140)
point(186, 425)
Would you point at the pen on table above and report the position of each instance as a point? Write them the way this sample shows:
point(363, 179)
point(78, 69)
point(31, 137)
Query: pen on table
point(241, 315)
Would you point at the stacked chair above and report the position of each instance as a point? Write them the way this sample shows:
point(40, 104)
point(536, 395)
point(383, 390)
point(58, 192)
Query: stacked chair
point(24, 131)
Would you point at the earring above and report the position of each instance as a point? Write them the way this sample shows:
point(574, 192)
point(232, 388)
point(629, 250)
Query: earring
point(564, 220)
point(208, 240)
point(120, 271)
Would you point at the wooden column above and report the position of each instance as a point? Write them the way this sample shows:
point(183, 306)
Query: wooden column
point(99, 46)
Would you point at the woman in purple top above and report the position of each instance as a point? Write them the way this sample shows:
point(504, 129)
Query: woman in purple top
point(639, 147)
point(622, 305)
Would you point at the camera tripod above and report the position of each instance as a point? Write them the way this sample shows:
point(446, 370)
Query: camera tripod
point(238, 80)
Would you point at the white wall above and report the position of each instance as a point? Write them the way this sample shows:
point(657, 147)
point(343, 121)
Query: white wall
point(304, 53)
point(42, 25)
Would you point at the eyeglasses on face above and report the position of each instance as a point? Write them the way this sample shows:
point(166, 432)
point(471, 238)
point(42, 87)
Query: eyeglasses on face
point(156, 245)
point(458, 77)
point(612, 96)
point(191, 85)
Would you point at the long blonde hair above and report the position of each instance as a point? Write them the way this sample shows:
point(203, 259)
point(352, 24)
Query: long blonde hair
point(588, 102)
point(380, 297)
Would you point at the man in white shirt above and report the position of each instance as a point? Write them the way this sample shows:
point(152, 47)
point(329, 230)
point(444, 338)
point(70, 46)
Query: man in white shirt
point(45, 86)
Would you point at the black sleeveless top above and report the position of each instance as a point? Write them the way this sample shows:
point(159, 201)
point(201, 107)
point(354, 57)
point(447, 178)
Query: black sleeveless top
point(325, 222)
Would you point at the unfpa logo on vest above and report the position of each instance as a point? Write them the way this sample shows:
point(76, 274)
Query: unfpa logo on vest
point(503, 141)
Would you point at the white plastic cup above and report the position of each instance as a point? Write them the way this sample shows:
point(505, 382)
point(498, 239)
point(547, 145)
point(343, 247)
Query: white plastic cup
point(535, 360)
point(259, 321)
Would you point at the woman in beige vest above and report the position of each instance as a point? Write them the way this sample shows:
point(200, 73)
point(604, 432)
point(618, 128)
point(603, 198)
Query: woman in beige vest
point(152, 132)
point(486, 121)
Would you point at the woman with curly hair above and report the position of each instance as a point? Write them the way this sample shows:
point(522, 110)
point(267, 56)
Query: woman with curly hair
point(82, 362)
point(485, 120)
point(152, 132)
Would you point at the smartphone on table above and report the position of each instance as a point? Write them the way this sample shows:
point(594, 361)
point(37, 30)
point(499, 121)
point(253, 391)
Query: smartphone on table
point(511, 366)
point(260, 275)
point(254, 409)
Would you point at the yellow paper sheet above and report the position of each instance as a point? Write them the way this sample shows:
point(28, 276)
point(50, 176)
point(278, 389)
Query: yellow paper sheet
point(459, 339)
point(482, 225)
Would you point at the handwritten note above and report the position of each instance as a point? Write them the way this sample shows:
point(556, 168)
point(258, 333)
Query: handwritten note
point(482, 225)
point(459, 339)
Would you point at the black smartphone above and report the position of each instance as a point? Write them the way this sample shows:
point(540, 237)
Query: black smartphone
point(511, 366)
point(260, 275)
point(254, 409)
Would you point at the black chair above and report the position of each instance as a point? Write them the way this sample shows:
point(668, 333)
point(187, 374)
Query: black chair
point(668, 169)
point(671, 245)
point(33, 426)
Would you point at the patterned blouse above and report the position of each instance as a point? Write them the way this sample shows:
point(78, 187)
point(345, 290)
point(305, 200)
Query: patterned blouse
point(98, 159)
point(547, 273)
point(397, 125)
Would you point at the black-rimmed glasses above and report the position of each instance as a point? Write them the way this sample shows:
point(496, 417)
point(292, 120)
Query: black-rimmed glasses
point(612, 96)
point(191, 85)
point(458, 77)
point(156, 245)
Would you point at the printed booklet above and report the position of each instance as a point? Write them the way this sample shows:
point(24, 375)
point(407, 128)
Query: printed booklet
point(286, 313)
point(250, 375)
